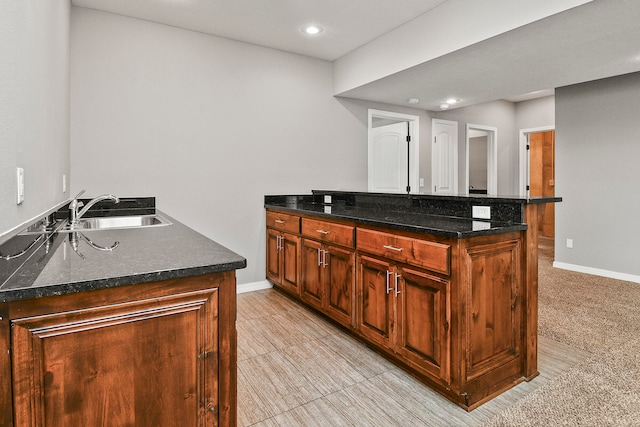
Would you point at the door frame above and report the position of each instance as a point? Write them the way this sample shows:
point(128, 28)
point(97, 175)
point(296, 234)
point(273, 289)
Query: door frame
point(414, 153)
point(492, 157)
point(524, 156)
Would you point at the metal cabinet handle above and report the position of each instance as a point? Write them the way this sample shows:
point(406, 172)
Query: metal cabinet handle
point(319, 262)
point(397, 289)
point(278, 243)
point(392, 248)
point(322, 232)
point(324, 258)
point(388, 284)
point(280, 221)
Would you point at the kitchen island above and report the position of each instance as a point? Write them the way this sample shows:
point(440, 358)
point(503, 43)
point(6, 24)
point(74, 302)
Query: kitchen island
point(119, 326)
point(448, 297)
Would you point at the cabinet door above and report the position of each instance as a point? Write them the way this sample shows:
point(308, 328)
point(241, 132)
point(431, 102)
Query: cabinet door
point(311, 289)
point(290, 256)
point(146, 363)
point(424, 313)
point(274, 264)
point(493, 306)
point(376, 303)
point(339, 279)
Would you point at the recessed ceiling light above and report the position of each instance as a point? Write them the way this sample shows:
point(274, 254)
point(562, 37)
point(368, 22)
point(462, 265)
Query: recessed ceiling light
point(312, 29)
point(413, 100)
point(444, 106)
point(452, 101)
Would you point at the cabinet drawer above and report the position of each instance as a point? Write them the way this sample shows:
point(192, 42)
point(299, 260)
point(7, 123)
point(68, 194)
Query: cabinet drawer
point(422, 253)
point(284, 222)
point(328, 232)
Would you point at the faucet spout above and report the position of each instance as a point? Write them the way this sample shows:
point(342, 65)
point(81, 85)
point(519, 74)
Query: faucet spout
point(75, 214)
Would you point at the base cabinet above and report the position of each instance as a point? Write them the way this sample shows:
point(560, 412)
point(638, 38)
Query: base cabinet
point(159, 354)
point(327, 279)
point(283, 260)
point(408, 312)
point(456, 313)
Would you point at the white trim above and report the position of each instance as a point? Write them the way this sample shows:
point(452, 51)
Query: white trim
point(492, 157)
point(254, 286)
point(414, 166)
point(524, 157)
point(597, 272)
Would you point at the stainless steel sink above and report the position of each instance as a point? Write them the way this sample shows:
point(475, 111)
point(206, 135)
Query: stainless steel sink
point(99, 223)
point(116, 222)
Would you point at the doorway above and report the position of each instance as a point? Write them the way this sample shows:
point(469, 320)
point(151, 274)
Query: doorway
point(539, 147)
point(393, 152)
point(444, 156)
point(481, 160)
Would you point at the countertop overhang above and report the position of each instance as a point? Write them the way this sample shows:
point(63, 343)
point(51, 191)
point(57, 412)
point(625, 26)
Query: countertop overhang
point(53, 267)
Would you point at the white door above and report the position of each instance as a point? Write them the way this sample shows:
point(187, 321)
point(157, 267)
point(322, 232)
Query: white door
point(389, 158)
point(444, 157)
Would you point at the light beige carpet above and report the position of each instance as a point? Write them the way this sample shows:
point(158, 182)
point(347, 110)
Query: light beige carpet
point(601, 316)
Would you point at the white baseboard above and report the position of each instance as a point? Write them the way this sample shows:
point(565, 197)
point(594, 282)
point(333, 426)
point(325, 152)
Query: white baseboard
point(597, 272)
point(254, 286)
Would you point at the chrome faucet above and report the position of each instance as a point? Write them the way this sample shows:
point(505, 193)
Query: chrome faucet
point(75, 215)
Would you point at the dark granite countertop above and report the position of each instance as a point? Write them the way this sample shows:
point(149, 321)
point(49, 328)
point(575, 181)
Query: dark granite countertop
point(52, 266)
point(433, 214)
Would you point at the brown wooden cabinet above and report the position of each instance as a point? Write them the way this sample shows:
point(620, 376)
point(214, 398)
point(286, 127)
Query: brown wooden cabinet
point(161, 354)
point(407, 311)
point(327, 279)
point(283, 251)
point(458, 313)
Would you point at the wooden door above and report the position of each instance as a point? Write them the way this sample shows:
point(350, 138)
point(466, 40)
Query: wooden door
point(424, 316)
point(125, 364)
point(542, 176)
point(494, 306)
point(339, 281)
point(290, 256)
point(376, 305)
point(274, 263)
point(311, 288)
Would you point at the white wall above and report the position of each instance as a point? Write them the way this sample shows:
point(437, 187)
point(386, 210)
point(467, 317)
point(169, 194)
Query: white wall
point(207, 125)
point(498, 114)
point(597, 175)
point(34, 106)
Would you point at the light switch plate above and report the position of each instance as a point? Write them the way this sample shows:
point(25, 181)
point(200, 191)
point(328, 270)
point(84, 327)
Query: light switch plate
point(481, 212)
point(20, 184)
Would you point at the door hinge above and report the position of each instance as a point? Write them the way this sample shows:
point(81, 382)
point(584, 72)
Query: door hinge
point(408, 138)
point(528, 146)
point(435, 139)
point(528, 188)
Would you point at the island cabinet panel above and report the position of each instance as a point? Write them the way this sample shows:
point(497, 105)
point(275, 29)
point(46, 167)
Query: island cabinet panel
point(283, 260)
point(161, 354)
point(494, 309)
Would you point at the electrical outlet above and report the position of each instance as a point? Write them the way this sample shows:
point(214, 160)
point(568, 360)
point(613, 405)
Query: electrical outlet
point(482, 212)
point(421, 182)
point(570, 243)
point(64, 183)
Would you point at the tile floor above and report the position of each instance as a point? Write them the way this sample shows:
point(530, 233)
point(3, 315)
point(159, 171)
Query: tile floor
point(297, 369)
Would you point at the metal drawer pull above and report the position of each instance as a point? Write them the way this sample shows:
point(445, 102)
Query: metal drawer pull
point(388, 284)
point(322, 231)
point(280, 221)
point(392, 248)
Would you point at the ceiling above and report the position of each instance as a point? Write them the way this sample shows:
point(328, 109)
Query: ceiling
point(589, 42)
point(347, 24)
